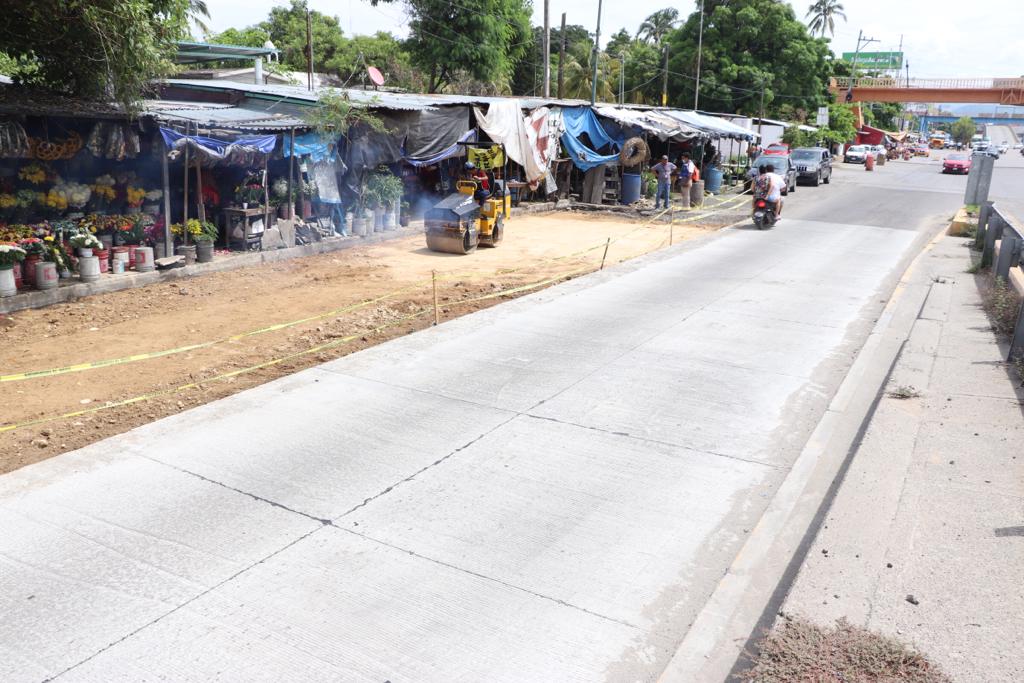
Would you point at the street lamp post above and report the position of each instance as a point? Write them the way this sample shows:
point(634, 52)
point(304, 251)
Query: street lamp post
point(595, 54)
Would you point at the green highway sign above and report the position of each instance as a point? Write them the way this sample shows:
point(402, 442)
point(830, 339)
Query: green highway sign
point(883, 61)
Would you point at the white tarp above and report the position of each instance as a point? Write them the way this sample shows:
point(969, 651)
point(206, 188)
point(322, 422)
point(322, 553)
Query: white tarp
point(504, 123)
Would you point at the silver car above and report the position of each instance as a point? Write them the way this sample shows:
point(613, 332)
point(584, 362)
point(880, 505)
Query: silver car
point(856, 154)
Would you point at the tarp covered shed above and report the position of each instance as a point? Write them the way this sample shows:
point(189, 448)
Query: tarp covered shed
point(585, 153)
point(654, 122)
point(712, 126)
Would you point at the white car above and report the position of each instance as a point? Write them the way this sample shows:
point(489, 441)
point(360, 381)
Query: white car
point(879, 151)
point(1003, 147)
point(855, 154)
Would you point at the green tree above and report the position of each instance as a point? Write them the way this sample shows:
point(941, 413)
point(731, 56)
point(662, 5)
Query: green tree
point(99, 49)
point(619, 43)
point(448, 39)
point(655, 27)
point(822, 14)
point(842, 124)
point(749, 45)
point(286, 27)
point(963, 129)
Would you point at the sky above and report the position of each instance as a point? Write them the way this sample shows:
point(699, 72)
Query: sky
point(985, 41)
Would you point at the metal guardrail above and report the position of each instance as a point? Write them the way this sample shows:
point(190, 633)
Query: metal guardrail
point(843, 83)
point(995, 225)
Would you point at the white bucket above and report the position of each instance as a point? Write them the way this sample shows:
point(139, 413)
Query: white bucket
point(7, 287)
point(144, 259)
point(118, 265)
point(46, 275)
point(89, 268)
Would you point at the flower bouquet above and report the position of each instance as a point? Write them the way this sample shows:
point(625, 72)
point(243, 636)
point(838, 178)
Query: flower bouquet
point(102, 193)
point(134, 196)
point(33, 173)
point(33, 246)
point(10, 256)
point(85, 243)
point(192, 228)
point(54, 251)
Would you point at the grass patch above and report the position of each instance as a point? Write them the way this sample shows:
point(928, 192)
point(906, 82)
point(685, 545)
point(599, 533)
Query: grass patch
point(1002, 305)
point(903, 392)
point(972, 209)
point(797, 650)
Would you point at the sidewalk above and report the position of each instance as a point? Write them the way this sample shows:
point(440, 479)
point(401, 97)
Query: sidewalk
point(924, 540)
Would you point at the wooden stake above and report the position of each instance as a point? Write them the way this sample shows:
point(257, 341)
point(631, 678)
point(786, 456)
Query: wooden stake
point(605, 255)
point(437, 312)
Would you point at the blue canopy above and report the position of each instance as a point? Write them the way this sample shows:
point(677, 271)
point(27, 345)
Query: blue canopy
point(580, 120)
point(219, 149)
point(318, 148)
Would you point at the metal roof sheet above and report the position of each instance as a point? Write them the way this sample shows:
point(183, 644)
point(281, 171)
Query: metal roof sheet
point(663, 126)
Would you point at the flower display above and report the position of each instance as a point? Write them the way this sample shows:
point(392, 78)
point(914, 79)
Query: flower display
point(103, 192)
point(33, 173)
point(85, 241)
point(77, 195)
point(33, 246)
point(134, 196)
point(154, 195)
point(14, 232)
point(8, 201)
point(192, 226)
point(10, 255)
point(56, 201)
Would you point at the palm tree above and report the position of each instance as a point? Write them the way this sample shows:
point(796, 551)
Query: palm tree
point(822, 14)
point(656, 27)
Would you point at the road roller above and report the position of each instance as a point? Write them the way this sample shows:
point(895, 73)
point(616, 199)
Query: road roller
point(471, 217)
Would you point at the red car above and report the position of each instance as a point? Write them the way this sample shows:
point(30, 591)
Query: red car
point(777, 148)
point(957, 163)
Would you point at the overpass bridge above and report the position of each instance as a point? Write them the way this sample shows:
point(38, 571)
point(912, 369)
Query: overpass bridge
point(928, 122)
point(1009, 91)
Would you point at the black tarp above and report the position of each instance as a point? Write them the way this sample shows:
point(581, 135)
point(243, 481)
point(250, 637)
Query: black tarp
point(435, 130)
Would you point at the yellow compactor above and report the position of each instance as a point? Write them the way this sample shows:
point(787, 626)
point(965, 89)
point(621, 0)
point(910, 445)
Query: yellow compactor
point(462, 221)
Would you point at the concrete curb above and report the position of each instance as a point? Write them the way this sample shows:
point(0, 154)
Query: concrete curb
point(131, 280)
point(747, 597)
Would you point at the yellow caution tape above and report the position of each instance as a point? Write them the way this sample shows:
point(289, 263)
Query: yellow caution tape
point(110, 362)
point(277, 361)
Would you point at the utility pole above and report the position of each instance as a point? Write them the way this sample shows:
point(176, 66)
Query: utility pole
point(595, 53)
point(309, 51)
point(760, 119)
point(853, 71)
point(664, 81)
point(547, 50)
point(622, 78)
point(700, 47)
point(561, 57)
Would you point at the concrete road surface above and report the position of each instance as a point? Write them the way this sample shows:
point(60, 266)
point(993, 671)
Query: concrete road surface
point(549, 490)
point(998, 134)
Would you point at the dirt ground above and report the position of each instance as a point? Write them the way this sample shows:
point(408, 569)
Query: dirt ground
point(210, 309)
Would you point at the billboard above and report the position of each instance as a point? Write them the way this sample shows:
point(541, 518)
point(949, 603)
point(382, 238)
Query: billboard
point(882, 61)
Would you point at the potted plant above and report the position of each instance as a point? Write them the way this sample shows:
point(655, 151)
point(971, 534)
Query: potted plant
point(204, 241)
point(33, 247)
point(387, 191)
point(282, 199)
point(53, 251)
point(250, 192)
point(11, 256)
point(190, 230)
point(85, 243)
point(404, 217)
point(308, 191)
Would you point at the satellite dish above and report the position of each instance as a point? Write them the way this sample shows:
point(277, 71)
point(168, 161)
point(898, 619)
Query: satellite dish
point(376, 77)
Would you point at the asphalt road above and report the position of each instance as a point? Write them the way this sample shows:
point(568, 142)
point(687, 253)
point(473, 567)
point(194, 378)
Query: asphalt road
point(548, 490)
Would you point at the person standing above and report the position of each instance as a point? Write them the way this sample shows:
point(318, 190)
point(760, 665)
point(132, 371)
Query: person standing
point(663, 171)
point(686, 169)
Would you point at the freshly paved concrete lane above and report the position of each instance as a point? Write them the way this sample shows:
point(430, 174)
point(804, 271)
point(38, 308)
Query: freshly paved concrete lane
point(548, 490)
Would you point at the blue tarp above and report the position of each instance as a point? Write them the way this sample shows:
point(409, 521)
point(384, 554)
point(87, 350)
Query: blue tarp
point(316, 147)
point(468, 136)
point(580, 120)
point(219, 149)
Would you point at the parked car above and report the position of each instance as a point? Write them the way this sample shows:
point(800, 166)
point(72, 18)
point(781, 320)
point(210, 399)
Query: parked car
point(777, 148)
point(921, 151)
point(813, 164)
point(957, 163)
point(784, 166)
point(879, 150)
point(988, 152)
point(856, 154)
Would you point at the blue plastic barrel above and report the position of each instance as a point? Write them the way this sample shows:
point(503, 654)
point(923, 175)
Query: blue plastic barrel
point(713, 179)
point(630, 187)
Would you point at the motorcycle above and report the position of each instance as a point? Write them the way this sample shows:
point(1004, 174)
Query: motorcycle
point(764, 214)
